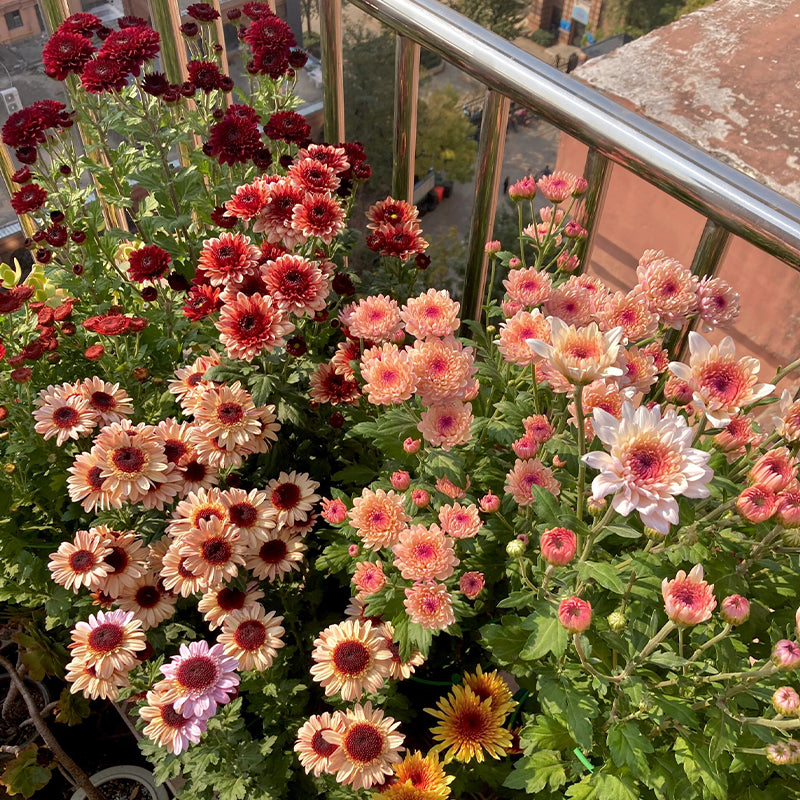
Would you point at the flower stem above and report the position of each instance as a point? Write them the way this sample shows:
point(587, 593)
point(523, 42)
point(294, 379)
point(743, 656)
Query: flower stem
point(784, 371)
point(669, 626)
point(742, 568)
point(576, 640)
point(581, 451)
point(711, 642)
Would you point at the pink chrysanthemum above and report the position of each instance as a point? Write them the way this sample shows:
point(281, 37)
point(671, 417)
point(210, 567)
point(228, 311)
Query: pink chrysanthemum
point(460, 522)
point(312, 749)
point(248, 201)
point(471, 584)
point(391, 212)
point(558, 546)
point(332, 385)
point(369, 577)
point(515, 334)
point(688, 599)
point(444, 369)
point(379, 518)
point(757, 504)
point(430, 606)
point(527, 473)
point(167, 727)
point(571, 303)
point(65, 418)
point(722, 384)
point(431, 314)
point(717, 302)
point(447, 425)
point(598, 394)
point(774, 470)
point(425, 554)
point(629, 312)
point(228, 257)
point(388, 375)
point(334, 511)
point(375, 318)
point(249, 325)
point(650, 460)
point(213, 552)
point(528, 286)
point(275, 218)
point(106, 400)
point(296, 284)
point(669, 288)
point(311, 175)
point(575, 614)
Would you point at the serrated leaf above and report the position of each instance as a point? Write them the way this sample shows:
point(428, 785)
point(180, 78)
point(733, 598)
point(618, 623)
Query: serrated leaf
point(547, 733)
point(584, 790)
point(602, 573)
point(504, 641)
point(535, 772)
point(629, 747)
point(545, 505)
point(613, 787)
point(23, 774)
point(575, 707)
point(677, 709)
point(411, 636)
point(548, 636)
point(72, 708)
point(700, 769)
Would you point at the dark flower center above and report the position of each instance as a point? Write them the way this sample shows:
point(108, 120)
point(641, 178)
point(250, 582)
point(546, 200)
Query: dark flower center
point(229, 413)
point(363, 742)
point(250, 635)
point(243, 515)
point(81, 561)
point(285, 496)
point(197, 672)
point(128, 459)
point(106, 637)
point(118, 558)
point(216, 551)
point(65, 417)
point(322, 747)
point(350, 657)
point(230, 599)
point(103, 401)
point(148, 596)
point(273, 552)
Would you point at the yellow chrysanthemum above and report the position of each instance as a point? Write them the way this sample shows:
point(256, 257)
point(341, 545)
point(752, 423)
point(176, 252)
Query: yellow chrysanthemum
point(491, 685)
point(419, 777)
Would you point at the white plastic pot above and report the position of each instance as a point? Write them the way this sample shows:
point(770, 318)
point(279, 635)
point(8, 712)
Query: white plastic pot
point(125, 772)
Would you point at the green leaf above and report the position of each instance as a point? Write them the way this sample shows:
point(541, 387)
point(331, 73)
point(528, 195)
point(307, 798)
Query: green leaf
point(629, 747)
point(535, 772)
point(546, 733)
point(545, 506)
point(575, 706)
point(548, 636)
point(411, 636)
point(700, 769)
point(604, 574)
point(506, 640)
point(613, 787)
point(72, 708)
point(584, 790)
point(23, 775)
point(677, 709)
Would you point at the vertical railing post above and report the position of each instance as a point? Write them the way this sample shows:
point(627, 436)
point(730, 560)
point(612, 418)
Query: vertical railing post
point(707, 257)
point(54, 12)
point(219, 32)
point(330, 26)
point(7, 170)
point(406, 93)
point(487, 184)
point(597, 172)
point(166, 18)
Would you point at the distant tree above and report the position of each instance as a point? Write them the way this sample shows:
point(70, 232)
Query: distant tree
point(692, 5)
point(504, 17)
point(310, 9)
point(637, 17)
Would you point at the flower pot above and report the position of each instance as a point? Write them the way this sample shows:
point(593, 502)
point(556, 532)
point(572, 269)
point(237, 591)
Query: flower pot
point(12, 730)
point(119, 783)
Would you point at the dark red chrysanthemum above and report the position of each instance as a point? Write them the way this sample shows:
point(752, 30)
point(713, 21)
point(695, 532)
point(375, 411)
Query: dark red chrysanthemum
point(132, 21)
point(13, 299)
point(235, 138)
point(399, 241)
point(56, 235)
point(202, 301)
point(256, 10)
point(82, 23)
point(148, 263)
point(288, 126)
point(219, 218)
point(298, 58)
point(29, 198)
point(205, 75)
point(133, 46)
point(28, 126)
point(155, 83)
point(202, 12)
point(22, 175)
point(105, 74)
point(65, 53)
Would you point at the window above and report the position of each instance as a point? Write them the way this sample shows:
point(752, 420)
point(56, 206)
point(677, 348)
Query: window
point(14, 20)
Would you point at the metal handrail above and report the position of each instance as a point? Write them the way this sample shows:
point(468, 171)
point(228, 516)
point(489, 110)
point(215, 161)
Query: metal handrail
point(733, 202)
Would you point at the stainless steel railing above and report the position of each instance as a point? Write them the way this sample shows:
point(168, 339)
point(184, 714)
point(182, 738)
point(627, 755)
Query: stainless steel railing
point(732, 202)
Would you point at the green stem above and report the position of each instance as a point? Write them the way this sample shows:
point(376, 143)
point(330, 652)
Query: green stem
point(784, 371)
point(578, 394)
point(576, 640)
point(711, 642)
point(669, 626)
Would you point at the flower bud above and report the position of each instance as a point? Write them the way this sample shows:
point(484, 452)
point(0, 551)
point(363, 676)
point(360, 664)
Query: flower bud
point(514, 262)
point(524, 538)
point(420, 498)
point(400, 480)
point(786, 654)
point(786, 701)
point(489, 503)
point(334, 511)
point(558, 546)
point(9, 468)
point(412, 445)
point(515, 548)
point(471, 584)
point(596, 508)
point(778, 753)
point(575, 614)
point(617, 621)
point(735, 609)
point(353, 550)
point(492, 248)
point(525, 447)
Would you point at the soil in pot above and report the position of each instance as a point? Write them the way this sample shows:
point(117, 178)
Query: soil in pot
point(125, 789)
point(12, 731)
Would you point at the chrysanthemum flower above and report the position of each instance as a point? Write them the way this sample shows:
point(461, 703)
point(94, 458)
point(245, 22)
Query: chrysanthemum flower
point(312, 749)
point(528, 286)
point(786, 701)
point(275, 219)
point(292, 495)
point(431, 314)
point(471, 584)
point(87, 486)
point(460, 522)
point(491, 685)
point(250, 514)
point(248, 201)
point(735, 609)
point(787, 423)
point(757, 503)
point(391, 212)
point(597, 394)
point(369, 577)
point(276, 557)
point(176, 576)
point(786, 654)
point(227, 414)
point(575, 614)
point(774, 470)
point(425, 554)
point(379, 517)
point(108, 642)
point(638, 370)
point(189, 384)
point(81, 562)
point(65, 418)
point(334, 511)
point(789, 506)
point(249, 325)
point(331, 385)
point(399, 670)
point(318, 215)
point(558, 546)
point(469, 728)
point(268, 433)
point(447, 425)
point(629, 312)
point(198, 679)
point(688, 599)
point(668, 288)
point(252, 637)
point(527, 473)
point(83, 678)
point(107, 401)
point(430, 605)
point(311, 175)
point(351, 658)
point(571, 303)
point(722, 384)
point(515, 333)
point(217, 604)
point(148, 601)
point(228, 257)
point(296, 284)
point(213, 552)
point(174, 438)
point(366, 748)
point(397, 241)
point(388, 375)
point(127, 559)
point(375, 318)
point(200, 506)
point(650, 460)
point(558, 186)
point(419, 777)
point(444, 369)
point(717, 302)
point(332, 156)
point(167, 727)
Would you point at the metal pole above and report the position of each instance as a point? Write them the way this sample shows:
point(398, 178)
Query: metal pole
point(487, 183)
point(166, 18)
point(54, 13)
point(597, 172)
point(219, 33)
point(406, 93)
point(330, 26)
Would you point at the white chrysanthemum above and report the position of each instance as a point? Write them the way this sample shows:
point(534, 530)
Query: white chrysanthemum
point(649, 460)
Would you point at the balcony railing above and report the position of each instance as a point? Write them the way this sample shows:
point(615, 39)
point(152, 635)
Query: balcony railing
point(732, 203)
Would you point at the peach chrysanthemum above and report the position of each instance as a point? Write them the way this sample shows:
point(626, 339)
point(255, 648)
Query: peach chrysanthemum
point(228, 257)
point(169, 728)
point(366, 749)
point(774, 470)
point(375, 318)
point(297, 284)
point(629, 312)
point(597, 394)
point(717, 302)
point(217, 604)
point(527, 473)
point(379, 517)
point(419, 777)
point(165, 489)
point(469, 727)
point(528, 286)
point(189, 383)
point(227, 414)
point(369, 577)
point(313, 751)
point(248, 200)
point(787, 422)
point(127, 560)
point(430, 606)
point(249, 326)
point(447, 425)
point(252, 636)
point(431, 314)
point(267, 434)
point(734, 438)
point(387, 374)
point(81, 562)
point(444, 369)
point(350, 658)
point(106, 400)
point(649, 460)
point(108, 642)
point(638, 369)
point(425, 554)
point(276, 557)
point(83, 678)
point(202, 505)
point(460, 522)
point(292, 495)
point(668, 288)
point(250, 514)
point(213, 552)
point(688, 599)
point(332, 385)
point(148, 601)
point(722, 384)
point(64, 417)
point(571, 303)
point(319, 215)
point(580, 355)
point(399, 670)
point(87, 486)
point(515, 333)
point(175, 574)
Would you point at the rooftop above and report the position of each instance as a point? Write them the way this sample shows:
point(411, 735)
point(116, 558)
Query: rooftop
point(723, 78)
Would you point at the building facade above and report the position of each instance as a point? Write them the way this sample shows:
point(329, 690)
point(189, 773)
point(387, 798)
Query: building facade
point(19, 19)
point(571, 20)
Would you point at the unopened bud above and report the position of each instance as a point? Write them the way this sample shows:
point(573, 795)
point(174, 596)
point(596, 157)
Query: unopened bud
point(786, 701)
point(515, 548)
point(596, 508)
point(735, 609)
point(617, 621)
